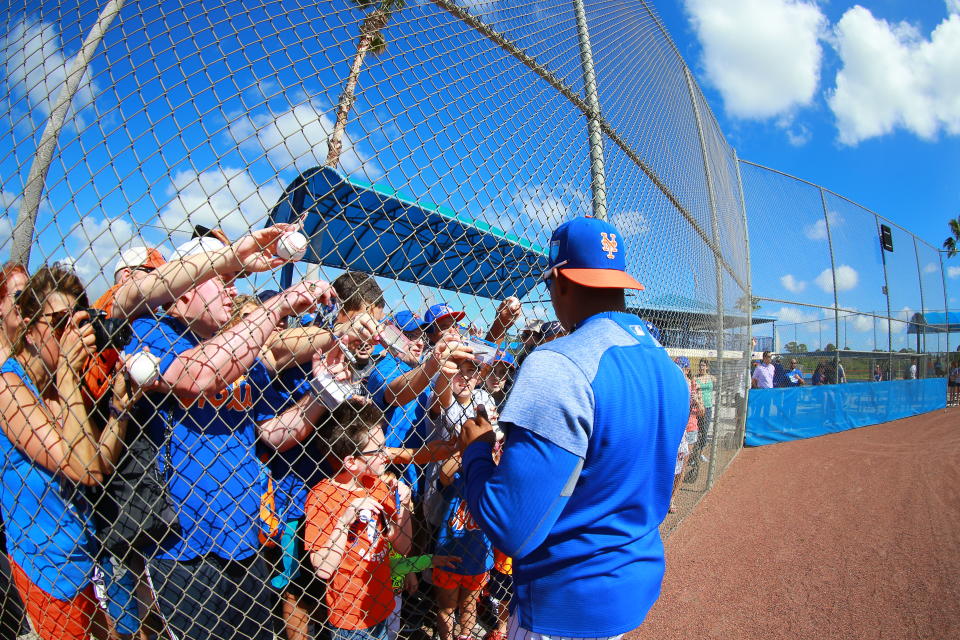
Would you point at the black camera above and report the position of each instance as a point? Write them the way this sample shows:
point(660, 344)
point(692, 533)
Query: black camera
point(111, 333)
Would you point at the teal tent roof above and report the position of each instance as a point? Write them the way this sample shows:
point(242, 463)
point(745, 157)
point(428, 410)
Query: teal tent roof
point(353, 224)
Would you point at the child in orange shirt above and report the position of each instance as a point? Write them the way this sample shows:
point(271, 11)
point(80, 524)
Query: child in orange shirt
point(351, 519)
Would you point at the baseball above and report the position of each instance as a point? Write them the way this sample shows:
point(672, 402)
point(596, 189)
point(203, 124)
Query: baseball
point(292, 246)
point(143, 367)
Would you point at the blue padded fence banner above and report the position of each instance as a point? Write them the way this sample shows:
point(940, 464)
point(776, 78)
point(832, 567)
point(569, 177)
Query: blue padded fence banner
point(794, 413)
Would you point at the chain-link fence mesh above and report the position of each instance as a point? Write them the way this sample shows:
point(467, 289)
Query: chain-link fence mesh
point(846, 294)
point(427, 150)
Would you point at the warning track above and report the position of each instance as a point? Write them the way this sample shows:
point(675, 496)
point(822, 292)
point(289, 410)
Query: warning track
point(851, 535)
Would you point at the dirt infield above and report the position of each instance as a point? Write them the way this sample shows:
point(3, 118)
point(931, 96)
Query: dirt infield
point(851, 535)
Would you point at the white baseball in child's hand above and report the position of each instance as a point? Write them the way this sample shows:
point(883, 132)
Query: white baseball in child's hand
point(143, 367)
point(292, 246)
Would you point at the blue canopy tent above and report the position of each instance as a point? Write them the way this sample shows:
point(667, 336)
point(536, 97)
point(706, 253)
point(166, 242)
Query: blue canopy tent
point(353, 224)
point(934, 322)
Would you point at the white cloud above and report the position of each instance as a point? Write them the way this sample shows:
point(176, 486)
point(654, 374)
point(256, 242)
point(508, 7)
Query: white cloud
point(791, 284)
point(298, 138)
point(35, 66)
point(94, 246)
point(862, 323)
point(540, 208)
point(762, 55)
point(953, 6)
point(953, 272)
point(818, 230)
point(6, 232)
point(793, 315)
point(931, 267)
point(797, 135)
point(223, 197)
point(894, 77)
point(847, 278)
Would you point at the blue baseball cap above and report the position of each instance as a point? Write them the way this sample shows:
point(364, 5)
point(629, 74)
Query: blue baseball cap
point(505, 356)
point(408, 321)
point(682, 361)
point(442, 310)
point(588, 251)
point(551, 329)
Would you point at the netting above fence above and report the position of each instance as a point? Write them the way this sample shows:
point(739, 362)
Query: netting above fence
point(829, 292)
point(159, 161)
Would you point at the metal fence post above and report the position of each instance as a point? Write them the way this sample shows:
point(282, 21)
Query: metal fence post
point(715, 230)
point(886, 294)
point(921, 329)
point(946, 305)
point(27, 216)
point(833, 275)
point(597, 173)
point(748, 348)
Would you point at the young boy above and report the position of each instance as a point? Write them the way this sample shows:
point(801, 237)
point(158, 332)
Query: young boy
point(352, 519)
point(459, 535)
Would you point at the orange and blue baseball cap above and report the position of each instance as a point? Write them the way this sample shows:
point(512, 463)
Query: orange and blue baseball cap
point(590, 252)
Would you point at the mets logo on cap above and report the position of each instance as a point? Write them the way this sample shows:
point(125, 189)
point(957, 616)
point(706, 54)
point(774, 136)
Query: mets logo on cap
point(609, 243)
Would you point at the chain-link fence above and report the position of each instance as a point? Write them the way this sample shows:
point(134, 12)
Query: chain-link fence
point(846, 294)
point(427, 150)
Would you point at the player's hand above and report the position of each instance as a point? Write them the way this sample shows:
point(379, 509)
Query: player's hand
point(476, 429)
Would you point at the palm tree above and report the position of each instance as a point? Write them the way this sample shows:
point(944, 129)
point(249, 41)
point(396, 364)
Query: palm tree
point(952, 244)
point(371, 41)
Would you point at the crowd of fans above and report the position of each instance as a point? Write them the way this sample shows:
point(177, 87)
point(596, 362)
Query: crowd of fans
point(283, 463)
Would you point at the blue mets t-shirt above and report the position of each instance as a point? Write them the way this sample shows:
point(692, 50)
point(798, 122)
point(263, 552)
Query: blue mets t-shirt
point(607, 405)
point(216, 480)
point(460, 536)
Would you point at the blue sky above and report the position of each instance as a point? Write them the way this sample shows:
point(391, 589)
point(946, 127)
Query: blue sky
point(862, 98)
point(189, 117)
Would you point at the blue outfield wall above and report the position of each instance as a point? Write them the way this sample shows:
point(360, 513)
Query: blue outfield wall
point(780, 415)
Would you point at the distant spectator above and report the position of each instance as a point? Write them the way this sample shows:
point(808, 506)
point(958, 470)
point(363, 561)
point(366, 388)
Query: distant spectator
point(780, 379)
point(795, 374)
point(912, 371)
point(706, 383)
point(877, 373)
point(953, 383)
point(550, 331)
point(763, 375)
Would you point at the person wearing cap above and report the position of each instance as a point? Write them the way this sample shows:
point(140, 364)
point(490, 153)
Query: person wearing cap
point(593, 425)
point(208, 410)
point(550, 331)
point(441, 318)
point(497, 380)
point(401, 385)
